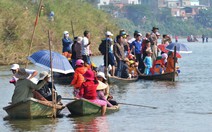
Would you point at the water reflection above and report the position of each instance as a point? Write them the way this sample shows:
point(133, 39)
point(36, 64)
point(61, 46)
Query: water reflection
point(31, 125)
point(91, 123)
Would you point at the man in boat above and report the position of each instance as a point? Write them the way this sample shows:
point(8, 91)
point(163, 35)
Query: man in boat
point(118, 50)
point(154, 42)
point(136, 46)
point(46, 90)
point(24, 87)
point(88, 90)
point(32, 73)
point(86, 47)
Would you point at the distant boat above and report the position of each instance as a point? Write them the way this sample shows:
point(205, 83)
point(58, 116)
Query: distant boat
point(31, 108)
point(63, 79)
point(84, 107)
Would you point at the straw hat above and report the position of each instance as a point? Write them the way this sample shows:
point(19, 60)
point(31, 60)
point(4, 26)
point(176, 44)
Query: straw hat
point(21, 74)
point(43, 74)
point(101, 86)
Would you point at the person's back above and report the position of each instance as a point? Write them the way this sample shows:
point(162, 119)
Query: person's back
point(78, 76)
point(24, 87)
point(125, 71)
point(170, 64)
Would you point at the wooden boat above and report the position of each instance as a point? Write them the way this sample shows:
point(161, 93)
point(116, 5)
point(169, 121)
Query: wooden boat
point(118, 80)
point(84, 107)
point(63, 79)
point(31, 108)
point(166, 77)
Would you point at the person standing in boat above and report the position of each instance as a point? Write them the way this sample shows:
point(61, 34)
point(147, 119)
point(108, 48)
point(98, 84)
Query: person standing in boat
point(109, 58)
point(24, 87)
point(137, 48)
point(76, 51)
point(86, 47)
point(154, 42)
point(148, 62)
point(67, 42)
point(88, 90)
point(78, 76)
point(118, 50)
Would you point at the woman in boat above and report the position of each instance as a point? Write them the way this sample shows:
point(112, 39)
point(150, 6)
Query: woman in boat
point(78, 76)
point(24, 87)
point(46, 90)
point(170, 63)
point(67, 42)
point(88, 90)
point(104, 94)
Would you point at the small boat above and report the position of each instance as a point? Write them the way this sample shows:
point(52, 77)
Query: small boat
point(82, 107)
point(118, 80)
point(31, 108)
point(165, 77)
point(63, 79)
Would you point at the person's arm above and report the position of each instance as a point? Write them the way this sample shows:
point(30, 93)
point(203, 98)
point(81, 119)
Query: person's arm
point(33, 73)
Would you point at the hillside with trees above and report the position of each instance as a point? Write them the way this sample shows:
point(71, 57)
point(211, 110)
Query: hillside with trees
point(18, 18)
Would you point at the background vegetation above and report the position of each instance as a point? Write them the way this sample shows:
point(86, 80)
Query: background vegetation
point(17, 19)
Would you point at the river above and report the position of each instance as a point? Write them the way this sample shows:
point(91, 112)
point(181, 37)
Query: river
point(183, 106)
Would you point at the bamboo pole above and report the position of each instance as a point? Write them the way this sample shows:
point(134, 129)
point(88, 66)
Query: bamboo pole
point(33, 32)
point(53, 91)
point(72, 28)
point(175, 58)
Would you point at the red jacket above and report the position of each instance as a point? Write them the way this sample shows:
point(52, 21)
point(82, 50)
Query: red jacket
point(88, 90)
point(78, 77)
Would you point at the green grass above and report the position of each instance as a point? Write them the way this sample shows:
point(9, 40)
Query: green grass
point(17, 19)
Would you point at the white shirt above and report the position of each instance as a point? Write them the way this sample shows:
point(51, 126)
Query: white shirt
point(85, 46)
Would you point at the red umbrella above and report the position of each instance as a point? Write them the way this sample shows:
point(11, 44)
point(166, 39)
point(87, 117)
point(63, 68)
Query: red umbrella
point(162, 47)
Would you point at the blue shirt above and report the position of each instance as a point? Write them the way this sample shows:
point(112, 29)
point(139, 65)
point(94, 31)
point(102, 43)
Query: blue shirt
point(138, 45)
point(67, 44)
point(148, 61)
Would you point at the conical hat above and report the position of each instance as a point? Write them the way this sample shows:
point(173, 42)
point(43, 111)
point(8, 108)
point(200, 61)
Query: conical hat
point(101, 86)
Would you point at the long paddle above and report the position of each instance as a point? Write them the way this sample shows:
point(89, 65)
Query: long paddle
point(152, 107)
point(68, 99)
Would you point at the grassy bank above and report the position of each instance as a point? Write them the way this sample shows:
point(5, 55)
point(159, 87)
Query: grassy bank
point(17, 21)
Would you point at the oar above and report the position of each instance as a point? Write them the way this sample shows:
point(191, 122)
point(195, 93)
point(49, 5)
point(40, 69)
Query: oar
point(139, 105)
point(68, 99)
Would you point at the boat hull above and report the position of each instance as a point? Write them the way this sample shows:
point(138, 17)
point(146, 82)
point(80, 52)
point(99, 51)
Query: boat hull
point(163, 77)
point(31, 108)
point(117, 80)
point(83, 107)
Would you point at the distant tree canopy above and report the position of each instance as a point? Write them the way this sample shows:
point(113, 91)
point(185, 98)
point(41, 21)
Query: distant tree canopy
point(205, 18)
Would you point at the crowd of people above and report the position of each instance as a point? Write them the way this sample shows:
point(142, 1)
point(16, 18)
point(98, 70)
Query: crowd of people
point(127, 57)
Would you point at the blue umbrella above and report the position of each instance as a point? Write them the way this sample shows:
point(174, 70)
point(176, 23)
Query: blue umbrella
point(180, 48)
point(59, 62)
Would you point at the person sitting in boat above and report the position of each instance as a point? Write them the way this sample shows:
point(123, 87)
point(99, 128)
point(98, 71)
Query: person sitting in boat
point(125, 69)
point(24, 87)
point(88, 90)
point(133, 70)
point(158, 68)
point(170, 62)
point(78, 76)
point(32, 73)
point(46, 90)
point(67, 42)
point(148, 62)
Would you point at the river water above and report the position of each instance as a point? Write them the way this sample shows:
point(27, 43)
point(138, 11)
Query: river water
point(183, 106)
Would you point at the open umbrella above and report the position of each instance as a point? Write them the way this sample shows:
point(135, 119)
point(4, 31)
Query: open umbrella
point(162, 47)
point(180, 48)
point(59, 62)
